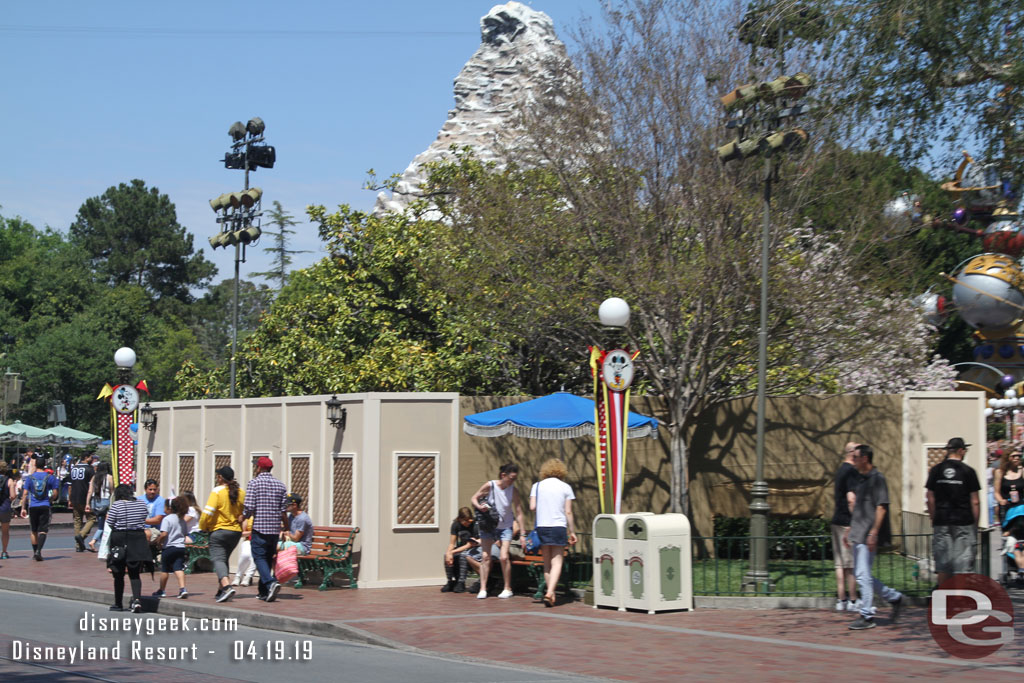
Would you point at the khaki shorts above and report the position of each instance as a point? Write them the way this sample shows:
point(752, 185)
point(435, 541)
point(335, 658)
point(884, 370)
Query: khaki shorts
point(842, 553)
point(954, 548)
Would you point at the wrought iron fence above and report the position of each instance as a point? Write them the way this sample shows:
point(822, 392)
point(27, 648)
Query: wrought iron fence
point(803, 565)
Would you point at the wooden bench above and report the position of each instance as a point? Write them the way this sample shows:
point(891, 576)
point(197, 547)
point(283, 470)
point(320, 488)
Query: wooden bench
point(330, 553)
point(533, 563)
point(198, 549)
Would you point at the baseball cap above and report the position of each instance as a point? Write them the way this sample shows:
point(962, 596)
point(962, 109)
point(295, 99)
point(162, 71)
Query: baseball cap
point(293, 498)
point(226, 472)
point(956, 443)
point(265, 462)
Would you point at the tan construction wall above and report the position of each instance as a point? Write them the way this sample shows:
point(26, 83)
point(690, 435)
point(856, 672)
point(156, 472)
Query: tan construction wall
point(804, 439)
point(414, 433)
point(405, 454)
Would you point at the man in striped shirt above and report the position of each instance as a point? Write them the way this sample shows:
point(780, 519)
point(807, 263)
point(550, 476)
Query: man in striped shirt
point(265, 503)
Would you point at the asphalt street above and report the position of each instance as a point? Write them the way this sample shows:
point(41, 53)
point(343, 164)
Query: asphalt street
point(156, 647)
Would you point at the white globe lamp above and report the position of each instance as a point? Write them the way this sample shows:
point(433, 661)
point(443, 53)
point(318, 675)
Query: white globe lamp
point(125, 358)
point(613, 312)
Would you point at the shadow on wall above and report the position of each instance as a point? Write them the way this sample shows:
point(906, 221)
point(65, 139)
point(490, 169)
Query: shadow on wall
point(804, 439)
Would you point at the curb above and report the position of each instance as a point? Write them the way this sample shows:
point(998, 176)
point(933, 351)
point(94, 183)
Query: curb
point(743, 602)
point(176, 607)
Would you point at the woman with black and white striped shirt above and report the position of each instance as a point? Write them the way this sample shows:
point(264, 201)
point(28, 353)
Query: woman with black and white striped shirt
point(126, 518)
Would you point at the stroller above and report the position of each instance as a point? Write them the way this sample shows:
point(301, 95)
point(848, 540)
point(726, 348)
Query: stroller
point(1013, 530)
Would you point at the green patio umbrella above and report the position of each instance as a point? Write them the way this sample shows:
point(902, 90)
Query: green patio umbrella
point(66, 436)
point(23, 433)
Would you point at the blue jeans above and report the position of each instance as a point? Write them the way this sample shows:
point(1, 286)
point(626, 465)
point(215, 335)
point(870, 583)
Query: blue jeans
point(863, 558)
point(264, 552)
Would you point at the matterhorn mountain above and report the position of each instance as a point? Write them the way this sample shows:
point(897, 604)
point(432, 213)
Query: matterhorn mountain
point(512, 67)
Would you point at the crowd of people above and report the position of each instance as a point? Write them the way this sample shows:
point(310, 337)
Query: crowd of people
point(860, 525)
point(150, 532)
point(482, 535)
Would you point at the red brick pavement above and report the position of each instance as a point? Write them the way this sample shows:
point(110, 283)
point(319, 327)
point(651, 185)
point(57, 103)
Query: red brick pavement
point(767, 645)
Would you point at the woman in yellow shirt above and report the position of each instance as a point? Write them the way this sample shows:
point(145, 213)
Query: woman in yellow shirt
point(220, 518)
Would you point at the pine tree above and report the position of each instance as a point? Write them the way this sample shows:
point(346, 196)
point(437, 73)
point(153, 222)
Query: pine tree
point(282, 255)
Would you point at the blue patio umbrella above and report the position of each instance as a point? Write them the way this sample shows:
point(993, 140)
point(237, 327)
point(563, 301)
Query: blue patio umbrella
point(557, 416)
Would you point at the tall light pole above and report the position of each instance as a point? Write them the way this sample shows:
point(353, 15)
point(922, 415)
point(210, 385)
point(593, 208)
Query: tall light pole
point(240, 220)
point(761, 116)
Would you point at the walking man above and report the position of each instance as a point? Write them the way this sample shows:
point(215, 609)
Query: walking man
point(869, 528)
point(846, 481)
point(502, 496)
point(953, 506)
point(35, 504)
point(81, 479)
point(265, 503)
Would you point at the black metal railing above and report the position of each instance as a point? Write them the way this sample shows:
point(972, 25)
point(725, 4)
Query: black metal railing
point(803, 565)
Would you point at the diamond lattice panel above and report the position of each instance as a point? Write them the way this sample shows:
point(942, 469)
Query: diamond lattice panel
point(153, 467)
point(415, 489)
point(186, 473)
point(222, 460)
point(299, 480)
point(342, 495)
point(935, 456)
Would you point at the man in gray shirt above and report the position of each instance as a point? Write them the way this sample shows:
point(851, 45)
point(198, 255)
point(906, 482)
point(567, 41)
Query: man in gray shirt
point(868, 530)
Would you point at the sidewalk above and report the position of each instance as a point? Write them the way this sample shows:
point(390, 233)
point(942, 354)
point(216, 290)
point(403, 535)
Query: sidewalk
point(725, 644)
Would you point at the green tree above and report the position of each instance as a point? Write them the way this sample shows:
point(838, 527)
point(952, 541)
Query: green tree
point(614, 190)
point(132, 235)
point(359, 320)
point(212, 316)
point(914, 73)
point(282, 255)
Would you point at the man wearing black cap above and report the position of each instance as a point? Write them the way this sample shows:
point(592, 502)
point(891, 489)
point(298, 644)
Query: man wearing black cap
point(300, 526)
point(953, 506)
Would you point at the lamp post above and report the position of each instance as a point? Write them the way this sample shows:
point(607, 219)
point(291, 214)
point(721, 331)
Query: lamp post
point(240, 222)
point(147, 417)
point(124, 404)
point(613, 375)
point(336, 415)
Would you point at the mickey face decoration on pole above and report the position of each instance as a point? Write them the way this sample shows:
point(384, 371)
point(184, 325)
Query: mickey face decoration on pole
point(612, 372)
point(124, 413)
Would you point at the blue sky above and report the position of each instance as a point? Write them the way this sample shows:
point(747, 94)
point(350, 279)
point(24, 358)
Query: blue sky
point(100, 93)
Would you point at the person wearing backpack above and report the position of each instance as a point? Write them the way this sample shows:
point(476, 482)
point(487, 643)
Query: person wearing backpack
point(35, 504)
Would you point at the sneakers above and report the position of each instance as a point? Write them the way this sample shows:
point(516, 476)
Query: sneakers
point(897, 607)
point(79, 544)
point(505, 594)
point(136, 606)
point(182, 594)
point(861, 623)
point(482, 594)
point(4, 556)
point(448, 587)
point(272, 592)
point(246, 581)
point(225, 594)
point(236, 582)
point(116, 608)
point(841, 605)
point(159, 594)
point(853, 605)
point(460, 587)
